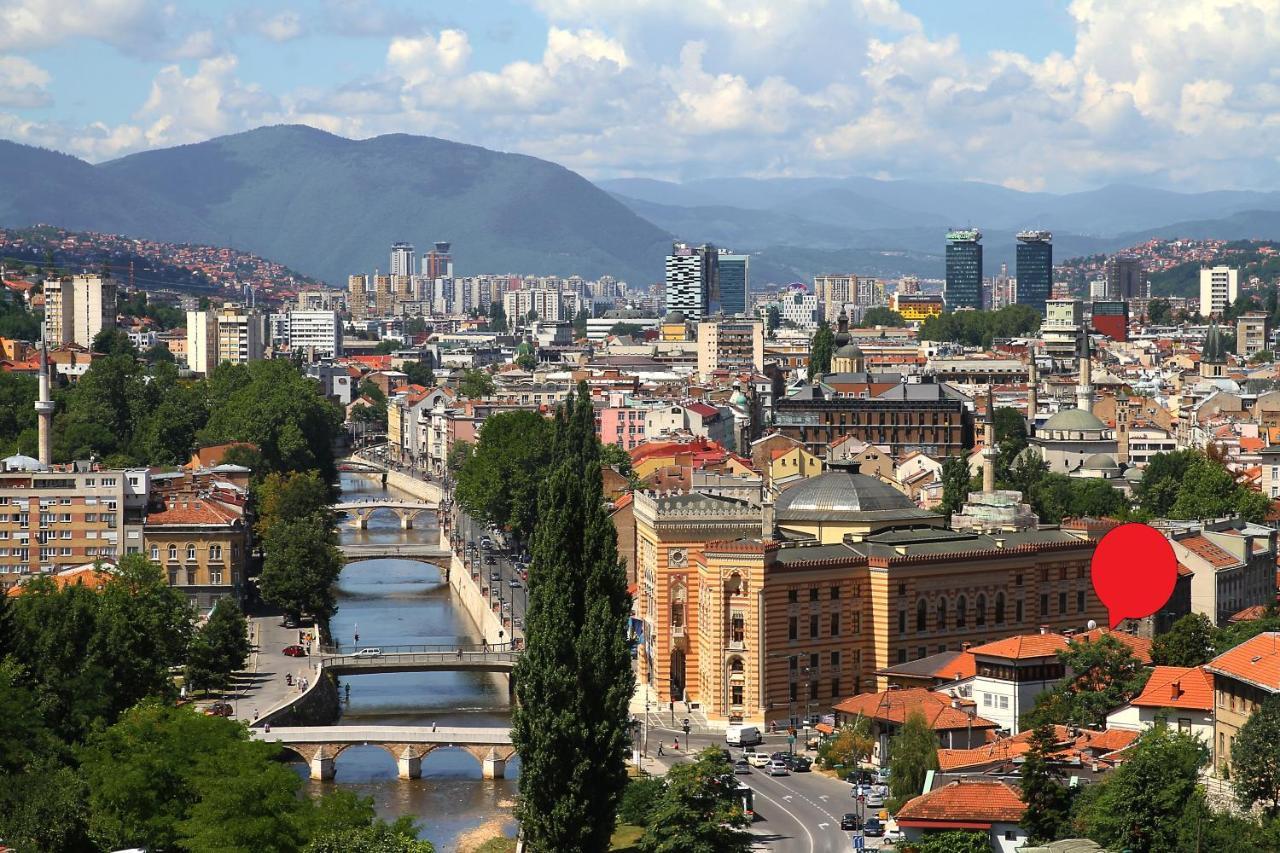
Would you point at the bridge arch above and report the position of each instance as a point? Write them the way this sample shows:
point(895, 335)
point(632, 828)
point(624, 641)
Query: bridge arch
point(321, 758)
point(361, 511)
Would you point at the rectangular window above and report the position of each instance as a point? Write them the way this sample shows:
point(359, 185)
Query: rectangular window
point(835, 688)
point(735, 694)
point(835, 624)
point(986, 700)
point(835, 660)
point(1004, 702)
point(1017, 611)
point(922, 652)
point(813, 689)
point(793, 630)
point(902, 622)
point(1080, 601)
point(902, 655)
point(813, 594)
point(1062, 602)
point(794, 691)
point(813, 661)
point(792, 596)
point(1044, 604)
point(813, 626)
point(835, 593)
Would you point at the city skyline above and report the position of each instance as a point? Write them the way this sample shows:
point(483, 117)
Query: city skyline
point(677, 90)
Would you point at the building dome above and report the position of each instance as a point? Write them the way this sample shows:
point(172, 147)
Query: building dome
point(1104, 462)
point(674, 317)
point(1133, 474)
point(842, 493)
point(1074, 420)
point(848, 351)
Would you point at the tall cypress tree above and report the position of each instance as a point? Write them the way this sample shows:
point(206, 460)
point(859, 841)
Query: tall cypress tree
point(574, 680)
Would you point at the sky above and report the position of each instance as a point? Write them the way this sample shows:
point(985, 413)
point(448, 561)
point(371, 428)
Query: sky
point(1052, 95)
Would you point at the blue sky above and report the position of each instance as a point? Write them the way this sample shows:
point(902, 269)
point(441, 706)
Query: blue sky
point(1052, 95)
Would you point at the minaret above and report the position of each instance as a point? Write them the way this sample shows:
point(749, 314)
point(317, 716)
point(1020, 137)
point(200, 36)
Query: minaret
point(989, 452)
point(44, 410)
point(1084, 390)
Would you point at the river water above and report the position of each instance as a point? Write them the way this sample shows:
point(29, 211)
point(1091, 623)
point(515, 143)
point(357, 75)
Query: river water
point(404, 602)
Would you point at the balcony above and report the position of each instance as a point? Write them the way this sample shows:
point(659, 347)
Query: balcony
point(677, 630)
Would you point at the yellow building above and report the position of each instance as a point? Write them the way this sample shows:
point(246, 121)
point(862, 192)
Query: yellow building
point(674, 327)
point(759, 629)
point(1243, 678)
point(917, 307)
point(789, 465)
point(201, 540)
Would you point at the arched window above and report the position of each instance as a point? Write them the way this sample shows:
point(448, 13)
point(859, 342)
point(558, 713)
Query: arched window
point(191, 553)
point(999, 608)
point(980, 615)
point(921, 615)
point(961, 617)
point(215, 552)
point(736, 667)
point(173, 552)
point(942, 614)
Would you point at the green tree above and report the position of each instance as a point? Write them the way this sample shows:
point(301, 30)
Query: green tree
point(16, 322)
point(625, 330)
point(300, 567)
point(102, 409)
point(292, 496)
point(639, 799)
point(1209, 490)
point(386, 347)
point(42, 808)
point(1011, 440)
point(821, 350)
point(1161, 481)
point(476, 383)
point(1042, 788)
point(527, 361)
point(459, 454)
point(499, 483)
point(379, 838)
point(220, 646)
point(1102, 675)
point(1255, 768)
point(420, 373)
point(615, 457)
point(1136, 807)
point(17, 414)
point(113, 340)
point(1159, 312)
point(574, 681)
point(773, 319)
point(881, 316)
point(1230, 636)
point(1188, 642)
point(166, 435)
point(955, 484)
point(913, 752)
point(980, 328)
point(497, 317)
point(698, 811)
point(954, 841)
point(848, 746)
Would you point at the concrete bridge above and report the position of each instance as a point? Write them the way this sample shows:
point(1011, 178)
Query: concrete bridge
point(406, 510)
point(361, 466)
point(421, 659)
point(319, 746)
point(433, 554)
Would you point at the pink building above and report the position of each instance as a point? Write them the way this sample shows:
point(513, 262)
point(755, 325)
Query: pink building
point(621, 425)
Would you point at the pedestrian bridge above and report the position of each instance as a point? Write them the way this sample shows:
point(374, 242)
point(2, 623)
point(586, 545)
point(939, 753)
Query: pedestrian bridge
point(361, 466)
point(319, 746)
point(421, 659)
point(436, 555)
point(360, 511)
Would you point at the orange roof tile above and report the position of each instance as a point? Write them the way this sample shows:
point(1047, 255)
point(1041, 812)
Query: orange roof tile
point(1251, 445)
point(1209, 552)
point(983, 801)
point(1248, 614)
point(1004, 749)
point(1023, 646)
point(185, 511)
point(1177, 687)
point(1255, 661)
point(894, 706)
point(1140, 646)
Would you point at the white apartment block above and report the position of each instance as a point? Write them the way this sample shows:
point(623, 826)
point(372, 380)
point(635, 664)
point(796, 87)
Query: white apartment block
point(1219, 287)
point(316, 333)
point(227, 336)
point(77, 308)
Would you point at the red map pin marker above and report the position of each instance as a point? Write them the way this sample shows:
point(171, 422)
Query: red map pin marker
point(1134, 570)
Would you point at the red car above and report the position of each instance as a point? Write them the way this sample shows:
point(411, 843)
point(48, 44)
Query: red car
point(295, 651)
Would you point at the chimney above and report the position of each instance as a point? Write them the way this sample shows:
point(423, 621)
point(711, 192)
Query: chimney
point(1044, 629)
point(964, 647)
point(1175, 690)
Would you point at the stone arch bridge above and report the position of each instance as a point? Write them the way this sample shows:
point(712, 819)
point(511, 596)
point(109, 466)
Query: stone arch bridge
point(407, 511)
point(320, 746)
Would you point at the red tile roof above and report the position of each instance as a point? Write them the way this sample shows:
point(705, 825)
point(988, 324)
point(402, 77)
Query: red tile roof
point(187, 511)
point(894, 706)
point(1023, 646)
point(1248, 614)
point(979, 801)
point(1177, 687)
point(1209, 552)
point(1255, 661)
point(1140, 646)
point(1005, 749)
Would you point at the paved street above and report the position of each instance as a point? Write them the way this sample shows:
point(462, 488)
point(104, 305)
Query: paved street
point(262, 686)
point(517, 597)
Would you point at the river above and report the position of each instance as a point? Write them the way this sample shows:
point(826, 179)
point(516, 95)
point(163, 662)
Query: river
point(403, 602)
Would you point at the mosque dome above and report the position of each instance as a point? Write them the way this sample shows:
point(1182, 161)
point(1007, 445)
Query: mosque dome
point(1074, 420)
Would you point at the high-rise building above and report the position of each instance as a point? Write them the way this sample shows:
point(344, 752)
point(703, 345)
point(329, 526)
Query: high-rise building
point(1111, 319)
point(1034, 269)
point(692, 280)
point(833, 292)
point(735, 345)
point(232, 335)
point(77, 308)
point(402, 259)
point(735, 286)
point(1219, 287)
point(358, 296)
point(1062, 329)
point(1125, 277)
point(315, 332)
point(438, 262)
point(1251, 333)
point(384, 297)
point(964, 269)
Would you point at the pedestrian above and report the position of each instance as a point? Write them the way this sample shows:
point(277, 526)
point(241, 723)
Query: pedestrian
point(267, 727)
point(660, 752)
point(676, 745)
point(357, 639)
point(459, 654)
point(255, 715)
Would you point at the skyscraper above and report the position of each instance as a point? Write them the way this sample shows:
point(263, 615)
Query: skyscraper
point(438, 262)
point(964, 269)
point(735, 286)
point(402, 259)
point(77, 308)
point(1125, 278)
point(1219, 287)
point(1034, 268)
point(692, 280)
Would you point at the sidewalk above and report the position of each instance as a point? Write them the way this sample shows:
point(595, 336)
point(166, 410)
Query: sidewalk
point(261, 687)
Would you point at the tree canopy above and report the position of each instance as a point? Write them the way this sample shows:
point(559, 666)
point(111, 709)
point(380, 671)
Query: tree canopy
point(913, 752)
point(980, 328)
point(698, 810)
point(1188, 642)
point(1102, 675)
point(476, 383)
point(499, 483)
point(821, 349)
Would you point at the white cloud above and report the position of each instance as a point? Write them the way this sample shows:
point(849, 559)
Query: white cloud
point(22, 83)
point(211, 101)
point(282, 27)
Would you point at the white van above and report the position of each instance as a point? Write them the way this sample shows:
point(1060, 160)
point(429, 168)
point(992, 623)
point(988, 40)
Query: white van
point(743, 736)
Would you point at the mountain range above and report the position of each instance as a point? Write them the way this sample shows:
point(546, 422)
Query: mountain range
point(329, 206)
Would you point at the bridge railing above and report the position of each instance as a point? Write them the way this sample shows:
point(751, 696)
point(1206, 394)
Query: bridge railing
point(456, 656)
point(437, 648)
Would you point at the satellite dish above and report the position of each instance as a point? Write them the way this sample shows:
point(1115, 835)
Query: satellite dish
point(1092, 624)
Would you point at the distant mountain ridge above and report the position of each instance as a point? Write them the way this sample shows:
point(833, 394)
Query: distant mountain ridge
point(329, 206)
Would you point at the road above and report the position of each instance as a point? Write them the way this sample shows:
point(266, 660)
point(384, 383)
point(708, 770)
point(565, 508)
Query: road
point(798, 813)
point(517, 597)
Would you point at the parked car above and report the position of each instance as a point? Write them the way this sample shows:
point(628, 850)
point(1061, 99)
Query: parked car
point(873, 828)
point(757, 759)
point(490, 560)
point(369, 653)
point(859, 777)
point(518, 622)
point(799, 764)
point(513, 583)
point(875, 801)
point(291, 623)
point(850, 822)
point(486, 543)
point(778, 768)
point(295, 651)
point(882, 775)
point(742, 767)
point(219, 709)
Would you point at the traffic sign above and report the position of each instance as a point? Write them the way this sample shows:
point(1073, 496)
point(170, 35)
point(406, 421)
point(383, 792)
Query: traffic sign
point(859, 843)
